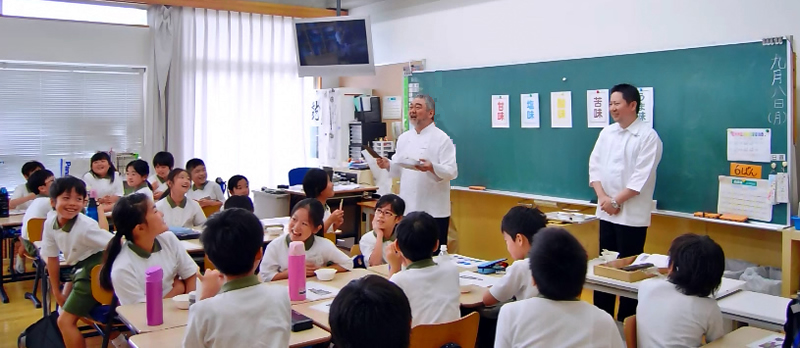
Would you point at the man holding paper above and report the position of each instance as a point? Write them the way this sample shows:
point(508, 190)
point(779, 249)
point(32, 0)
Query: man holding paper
point(425, 162)
point(622, 171)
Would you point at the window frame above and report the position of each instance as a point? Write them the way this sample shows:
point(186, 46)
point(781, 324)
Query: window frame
point(83, 2)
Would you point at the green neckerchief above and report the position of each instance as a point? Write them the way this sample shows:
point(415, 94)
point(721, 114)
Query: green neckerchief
point(309, 242)
point(128, 190)
point(172, 203)
point(144, 253)
point(67, 226)
point(240, 283)
point(42, 195)
point(424, 263)
point(201, 187)
point(390, 239)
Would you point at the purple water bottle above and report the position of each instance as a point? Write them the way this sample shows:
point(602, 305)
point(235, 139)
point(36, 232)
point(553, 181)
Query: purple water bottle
point(297, 271)
point(153, 296)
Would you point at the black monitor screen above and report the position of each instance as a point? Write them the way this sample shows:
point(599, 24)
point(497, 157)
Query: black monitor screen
point(332, 43)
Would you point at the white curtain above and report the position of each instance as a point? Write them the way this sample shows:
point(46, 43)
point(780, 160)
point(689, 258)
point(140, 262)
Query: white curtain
point(242, 104)
point(163, 22)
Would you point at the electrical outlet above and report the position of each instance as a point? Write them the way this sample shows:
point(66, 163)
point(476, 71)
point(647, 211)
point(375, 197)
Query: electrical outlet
point(778, 157)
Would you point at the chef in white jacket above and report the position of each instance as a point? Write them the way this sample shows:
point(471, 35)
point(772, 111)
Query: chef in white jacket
point(425, 162)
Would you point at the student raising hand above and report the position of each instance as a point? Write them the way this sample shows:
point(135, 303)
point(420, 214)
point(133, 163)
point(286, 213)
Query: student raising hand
point(212, 283)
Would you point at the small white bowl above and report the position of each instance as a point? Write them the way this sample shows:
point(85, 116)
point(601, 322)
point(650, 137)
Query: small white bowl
point(609, 256)
point(181, 301)
point(274, 230)
point(325, 274)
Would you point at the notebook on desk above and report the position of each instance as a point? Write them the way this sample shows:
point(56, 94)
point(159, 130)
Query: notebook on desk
point(184, 233)
point(728, 286)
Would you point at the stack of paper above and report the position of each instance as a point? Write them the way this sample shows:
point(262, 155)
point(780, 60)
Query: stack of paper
point(316, 291)
point(324, 306)
point(659, 261)
point(472, 278)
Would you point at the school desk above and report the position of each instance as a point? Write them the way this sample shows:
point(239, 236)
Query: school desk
point(761, 310)
point(742, 337)
point(368, 209)
point(8, 249)
point(174, 338)
point(134, 316)
point(473, 298)
point(339, 280)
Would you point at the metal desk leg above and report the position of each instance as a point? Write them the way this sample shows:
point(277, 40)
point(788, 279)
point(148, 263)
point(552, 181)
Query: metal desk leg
point(45, 288)
point(2, 277)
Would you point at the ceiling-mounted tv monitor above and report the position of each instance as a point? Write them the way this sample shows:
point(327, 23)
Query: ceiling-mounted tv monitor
point(334, 46)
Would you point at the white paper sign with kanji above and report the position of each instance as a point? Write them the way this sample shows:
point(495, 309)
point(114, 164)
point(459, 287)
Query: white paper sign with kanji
point(646, 110)
point(561, 109)
point(597, 108)
point(500, 111)
point(529, 106)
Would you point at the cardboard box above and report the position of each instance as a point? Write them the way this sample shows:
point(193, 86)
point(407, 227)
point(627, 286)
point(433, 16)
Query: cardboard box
point(612, 270)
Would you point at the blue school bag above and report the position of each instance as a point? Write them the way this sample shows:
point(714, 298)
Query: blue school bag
point(792, 325)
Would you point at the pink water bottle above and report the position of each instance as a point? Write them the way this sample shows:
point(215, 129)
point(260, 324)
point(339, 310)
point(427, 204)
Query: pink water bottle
point(297, 271)
point(153, 296)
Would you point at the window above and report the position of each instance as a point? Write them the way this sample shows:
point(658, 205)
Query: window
point(55, 113)
point(72, 11)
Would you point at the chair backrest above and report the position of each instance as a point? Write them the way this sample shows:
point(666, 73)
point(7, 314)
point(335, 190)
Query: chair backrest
point(355, 250)
point(463, 332)
point(207, 263)
point(35, 229)
point(210, 209)
point(296, 175)
point(629, 327)
point(103, 296)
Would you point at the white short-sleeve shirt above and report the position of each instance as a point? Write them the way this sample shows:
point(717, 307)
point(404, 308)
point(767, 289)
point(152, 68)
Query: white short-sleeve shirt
point(245, 314)
point(104, 186)
point(540, 322)
point(667, 318)
point(38, 209)
point(367, 244)
point(208, 190)
point(78, 239)
point(187, 214)
point(516, 283)
point(320, 251)
point(432, 290)
point(144, 189)
point(162, 185)
point(21, 191)
point(130, 267)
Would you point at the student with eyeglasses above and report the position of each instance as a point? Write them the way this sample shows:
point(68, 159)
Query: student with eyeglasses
point(388, 212)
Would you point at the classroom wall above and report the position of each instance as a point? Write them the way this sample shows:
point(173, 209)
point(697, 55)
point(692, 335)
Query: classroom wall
point(467, 33)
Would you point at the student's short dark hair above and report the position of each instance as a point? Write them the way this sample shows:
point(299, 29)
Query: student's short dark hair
point(397, 204)
point(104, 156)
point(67, 184)
point(242, 202)
point(629, 92)
point(163, 158)
point(140, 167)
point(234, 180)
point(31, 166)
point(558, 264)
point(316, 212)
point(697, 264)
point(38, 178)
point(371, 312)
point(417, 236)
point(523, 220)
point(314, 182)
point(231, 240)
point(192, 164)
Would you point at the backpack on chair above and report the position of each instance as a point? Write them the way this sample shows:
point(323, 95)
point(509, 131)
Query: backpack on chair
point(42, 334)
point(792, 325)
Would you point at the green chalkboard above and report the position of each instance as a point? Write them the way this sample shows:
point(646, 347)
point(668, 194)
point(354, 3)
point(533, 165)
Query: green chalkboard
point(699, 93)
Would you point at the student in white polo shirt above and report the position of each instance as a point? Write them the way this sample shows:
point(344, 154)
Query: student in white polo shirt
point(146, 245)
point(432, 289)
point(104, 180)
point(388, 212)
point(317, 184)
point(557, 317)
point(136, 173)
point(680, 310)
point(163, 162)
point(306, 221)
point(21, 197)
point(178, 210)
point(234, 309)
point(203, 191)
point(38, 182)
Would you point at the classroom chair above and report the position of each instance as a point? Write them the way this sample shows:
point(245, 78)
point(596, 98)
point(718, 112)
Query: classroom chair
point(355, 250)
point(629, 327)
point(210, 209)
point(296, 175)
point(103, 317)
point(207, 265)
point(463, 332)
point(35, 228)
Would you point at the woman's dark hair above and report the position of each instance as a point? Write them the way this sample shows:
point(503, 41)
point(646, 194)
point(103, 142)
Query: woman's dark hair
point(37, 179)
point(315, 181)
point(316, 212)
point(697, 264)
point(171, 177)
point(129, 211)
point(233, 181)
point(104, 156)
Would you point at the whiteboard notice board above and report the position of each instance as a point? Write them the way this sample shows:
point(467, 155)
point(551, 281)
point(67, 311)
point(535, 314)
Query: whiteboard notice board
point(748, 197)
point(750, 144)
